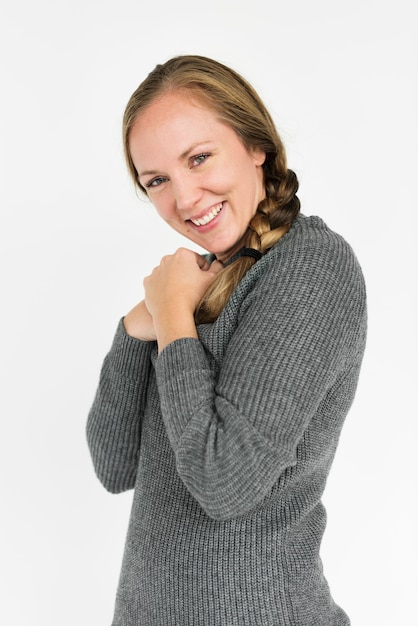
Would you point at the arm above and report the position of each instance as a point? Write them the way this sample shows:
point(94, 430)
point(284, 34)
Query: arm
point(113, 426)
point(235, 436)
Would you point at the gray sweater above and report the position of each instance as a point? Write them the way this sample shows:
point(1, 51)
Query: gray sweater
point(228, 440)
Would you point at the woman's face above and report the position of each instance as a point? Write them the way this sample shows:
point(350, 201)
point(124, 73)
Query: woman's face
point(197, 172)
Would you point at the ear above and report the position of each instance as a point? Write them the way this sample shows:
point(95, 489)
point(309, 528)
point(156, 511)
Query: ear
point(258, 155)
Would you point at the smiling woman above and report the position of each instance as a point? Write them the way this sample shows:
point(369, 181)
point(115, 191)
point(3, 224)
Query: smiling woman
point(223, 395)
point(225, 98)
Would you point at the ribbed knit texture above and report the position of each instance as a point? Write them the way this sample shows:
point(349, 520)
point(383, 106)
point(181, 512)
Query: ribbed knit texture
point(228, 441)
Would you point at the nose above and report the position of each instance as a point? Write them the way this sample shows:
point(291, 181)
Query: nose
point(187, 192)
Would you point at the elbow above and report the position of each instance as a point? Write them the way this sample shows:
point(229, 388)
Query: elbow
point(114, 474)
point(230, 492)
point(115, 484)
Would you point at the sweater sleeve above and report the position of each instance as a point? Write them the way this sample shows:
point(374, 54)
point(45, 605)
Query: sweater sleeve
point(113, 425)
point(299, 328)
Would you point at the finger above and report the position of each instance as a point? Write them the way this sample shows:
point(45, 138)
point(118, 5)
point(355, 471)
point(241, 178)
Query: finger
point(216, 267)
point(202, 262)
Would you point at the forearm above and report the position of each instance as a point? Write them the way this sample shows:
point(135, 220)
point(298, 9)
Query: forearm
point(113, 426)
point(226, 463)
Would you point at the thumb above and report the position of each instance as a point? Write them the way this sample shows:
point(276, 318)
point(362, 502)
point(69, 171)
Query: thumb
point(215, 267)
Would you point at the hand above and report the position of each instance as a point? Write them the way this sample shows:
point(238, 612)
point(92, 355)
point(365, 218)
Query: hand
point(173, 292)
point(180, 280)
point(138, 323)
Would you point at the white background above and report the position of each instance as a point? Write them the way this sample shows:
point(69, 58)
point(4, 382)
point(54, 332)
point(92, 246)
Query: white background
point(340, 81)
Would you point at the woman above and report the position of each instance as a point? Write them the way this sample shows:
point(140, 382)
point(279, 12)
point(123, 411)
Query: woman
point(223, 395)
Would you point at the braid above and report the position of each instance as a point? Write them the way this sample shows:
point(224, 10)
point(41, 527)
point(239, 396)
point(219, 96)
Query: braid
point(273, 218)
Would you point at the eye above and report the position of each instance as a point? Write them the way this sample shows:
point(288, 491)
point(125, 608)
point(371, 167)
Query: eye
point(199, 158)
point(155, 182)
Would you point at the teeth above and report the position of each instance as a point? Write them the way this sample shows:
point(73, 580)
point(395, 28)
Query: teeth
point(209, 217)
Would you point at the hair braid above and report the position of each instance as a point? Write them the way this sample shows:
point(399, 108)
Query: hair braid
point(272, 220)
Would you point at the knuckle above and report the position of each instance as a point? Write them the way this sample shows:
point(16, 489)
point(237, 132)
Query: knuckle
point(184, 251)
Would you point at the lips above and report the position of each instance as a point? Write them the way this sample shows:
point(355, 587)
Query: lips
point(205, 219)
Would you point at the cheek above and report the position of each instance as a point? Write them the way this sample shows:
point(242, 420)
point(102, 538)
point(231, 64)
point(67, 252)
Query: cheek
point(164, 207)
point(223, 181)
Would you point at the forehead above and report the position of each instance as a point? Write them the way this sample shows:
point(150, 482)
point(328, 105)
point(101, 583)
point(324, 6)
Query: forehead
point(171, 124)
point(172, 110)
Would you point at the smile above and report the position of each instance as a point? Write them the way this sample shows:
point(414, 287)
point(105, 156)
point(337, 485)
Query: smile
point(202, 221)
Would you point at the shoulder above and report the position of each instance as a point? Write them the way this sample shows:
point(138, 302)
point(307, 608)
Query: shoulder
point(313, 251)
point(311, 269)
point(311, 233)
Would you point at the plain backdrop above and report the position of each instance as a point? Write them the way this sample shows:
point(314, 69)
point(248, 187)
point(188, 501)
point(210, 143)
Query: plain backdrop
point(76, 242)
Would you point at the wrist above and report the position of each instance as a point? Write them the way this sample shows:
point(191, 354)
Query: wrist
point(173, 324)
point(138, 323)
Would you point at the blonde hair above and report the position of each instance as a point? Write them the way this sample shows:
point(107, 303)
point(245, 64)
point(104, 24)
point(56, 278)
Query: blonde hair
point(235, 102)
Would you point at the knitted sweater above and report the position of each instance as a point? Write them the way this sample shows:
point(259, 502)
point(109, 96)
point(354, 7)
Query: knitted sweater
point(228, 440)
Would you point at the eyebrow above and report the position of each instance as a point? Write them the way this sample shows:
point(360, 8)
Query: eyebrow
point(147, 173)
point(193, 147)
point(183, 155)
